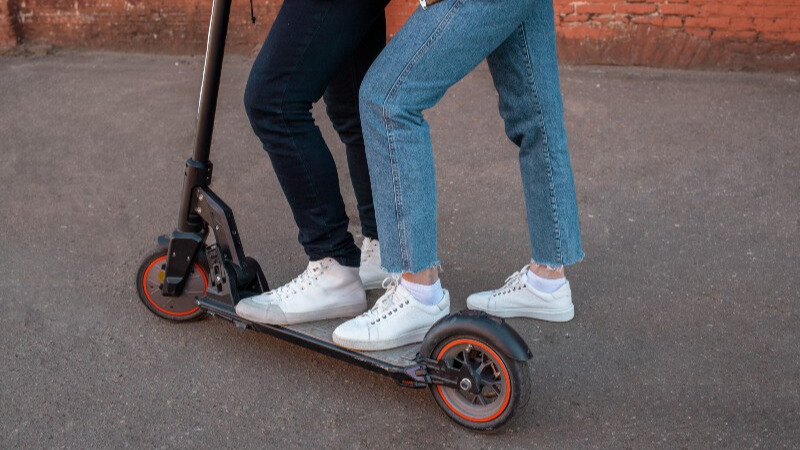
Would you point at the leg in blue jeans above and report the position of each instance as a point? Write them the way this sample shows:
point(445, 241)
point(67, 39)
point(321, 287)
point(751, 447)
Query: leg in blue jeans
point(436, 48)
point(317, 48)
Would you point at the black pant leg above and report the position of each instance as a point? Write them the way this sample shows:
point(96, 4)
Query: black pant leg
point(341, 99)
point(308, 44)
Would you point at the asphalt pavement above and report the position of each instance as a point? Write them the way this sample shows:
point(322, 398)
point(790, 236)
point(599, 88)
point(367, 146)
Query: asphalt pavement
point(686, 332)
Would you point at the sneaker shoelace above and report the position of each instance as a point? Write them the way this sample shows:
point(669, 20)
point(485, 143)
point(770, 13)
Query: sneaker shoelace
point(515, 282)
point(388, 304)
point(307, 278)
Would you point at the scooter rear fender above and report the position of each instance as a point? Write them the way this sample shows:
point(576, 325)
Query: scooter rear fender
point(478, 324)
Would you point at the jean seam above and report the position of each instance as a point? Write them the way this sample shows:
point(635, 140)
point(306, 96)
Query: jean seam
point(283, 119)
point(401, 231)
point(537, 101)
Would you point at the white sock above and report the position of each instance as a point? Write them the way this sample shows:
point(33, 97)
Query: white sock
point(424, 293)
point(545, 285)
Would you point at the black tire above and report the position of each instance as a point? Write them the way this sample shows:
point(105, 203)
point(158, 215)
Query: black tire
point(182, 308)
point(507, 387)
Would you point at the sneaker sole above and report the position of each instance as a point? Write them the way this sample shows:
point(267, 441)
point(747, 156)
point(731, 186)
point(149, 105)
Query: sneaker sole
point(547, 316)
point(283, 319)
point(406, 339)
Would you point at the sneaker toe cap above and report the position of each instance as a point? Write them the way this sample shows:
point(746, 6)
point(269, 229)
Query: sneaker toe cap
point(248, 308)
point(479, 301)
point(353, 331)
point(275, 315)
point(261, 313)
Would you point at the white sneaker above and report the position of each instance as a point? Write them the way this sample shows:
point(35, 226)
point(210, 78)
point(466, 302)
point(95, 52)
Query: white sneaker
point(397, 319)
point(371, 273)
point(326, 290)
point(517, 298)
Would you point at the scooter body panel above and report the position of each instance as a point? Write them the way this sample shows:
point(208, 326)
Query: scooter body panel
point(316, 336)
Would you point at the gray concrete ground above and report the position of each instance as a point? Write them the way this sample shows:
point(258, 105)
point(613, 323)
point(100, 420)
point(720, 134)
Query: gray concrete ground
point(686, 333)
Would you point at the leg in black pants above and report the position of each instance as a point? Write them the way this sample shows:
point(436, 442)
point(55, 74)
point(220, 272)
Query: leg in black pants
point(317, 47)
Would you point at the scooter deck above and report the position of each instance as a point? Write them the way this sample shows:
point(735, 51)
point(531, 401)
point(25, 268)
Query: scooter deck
point(402, 356)
point(398, 363)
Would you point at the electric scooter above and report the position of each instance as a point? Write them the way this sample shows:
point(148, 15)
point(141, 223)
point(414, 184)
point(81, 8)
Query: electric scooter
point(474, 364)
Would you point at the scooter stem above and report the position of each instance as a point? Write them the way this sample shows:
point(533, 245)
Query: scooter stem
point(190, 233)
point(198, 167)
point(212, 72)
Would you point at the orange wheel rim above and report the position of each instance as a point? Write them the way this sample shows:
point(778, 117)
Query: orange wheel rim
point(497, 360)
point(159, 260)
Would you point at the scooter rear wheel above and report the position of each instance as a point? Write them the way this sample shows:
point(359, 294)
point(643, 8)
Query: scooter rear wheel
point(487, 399)
point(181, 308)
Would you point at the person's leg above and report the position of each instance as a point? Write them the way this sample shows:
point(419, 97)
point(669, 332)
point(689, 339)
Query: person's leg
point(307, 46)
point(341, 99)
point(525, 72)
point(436, 48)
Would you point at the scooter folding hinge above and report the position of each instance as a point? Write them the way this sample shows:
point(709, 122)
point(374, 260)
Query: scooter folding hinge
point(199, 173)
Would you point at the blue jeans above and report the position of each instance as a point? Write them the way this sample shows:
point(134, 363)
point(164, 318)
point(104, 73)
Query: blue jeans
point(317, 48)
point(436, 48)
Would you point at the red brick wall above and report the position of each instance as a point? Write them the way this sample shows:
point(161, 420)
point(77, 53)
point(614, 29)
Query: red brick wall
point(681, 33)
point(667, 33)
point(166, 26)
point(7, 35)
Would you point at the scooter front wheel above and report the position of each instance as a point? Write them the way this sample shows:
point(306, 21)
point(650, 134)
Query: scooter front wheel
point(150, 279)
point(492, 388)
